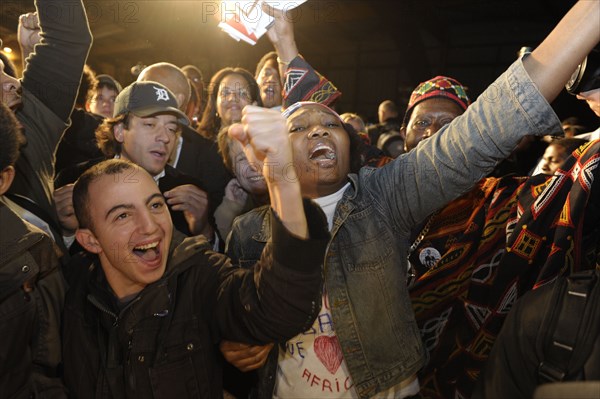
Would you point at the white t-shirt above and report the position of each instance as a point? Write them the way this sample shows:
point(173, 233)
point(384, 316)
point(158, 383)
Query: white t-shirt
point(329, 203)
point(312, 365)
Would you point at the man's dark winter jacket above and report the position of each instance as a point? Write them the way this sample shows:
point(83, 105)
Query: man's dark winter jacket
point(162, 344)
point(200, 159)
point(78, 144)
point(50, 84)
point(31, 296)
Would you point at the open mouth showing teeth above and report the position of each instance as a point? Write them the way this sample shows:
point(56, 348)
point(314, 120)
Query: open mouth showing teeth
point(322, 152)
point(147, 252)
point(257, 178)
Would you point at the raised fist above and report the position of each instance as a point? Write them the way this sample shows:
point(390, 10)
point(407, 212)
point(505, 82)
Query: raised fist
point(29, 30)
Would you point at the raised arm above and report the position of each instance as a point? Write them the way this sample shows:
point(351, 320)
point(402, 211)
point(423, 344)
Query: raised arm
point(281, 35)
point(313, 86)
point(29, 35)
point(277, 298)
point(265, 140)
point(54, 68)
point(448, 164)
point(282, 283)
point(551, 64)
point(279, 294)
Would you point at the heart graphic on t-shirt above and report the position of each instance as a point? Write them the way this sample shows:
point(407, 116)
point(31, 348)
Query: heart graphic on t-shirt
point(329, 352)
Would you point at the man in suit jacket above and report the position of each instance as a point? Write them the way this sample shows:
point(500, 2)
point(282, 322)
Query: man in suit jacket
point(194, 155)
point(145, 130)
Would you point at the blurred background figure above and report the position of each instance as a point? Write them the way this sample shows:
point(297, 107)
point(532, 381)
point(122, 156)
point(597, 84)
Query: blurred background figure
point(246, 191)
point(573, 127)
point(556, 153)
point(269, 80)
point(585, 85)
point(229, 91)
point(387, 135)
point(356, 121)
point(197, 81)
point(78, 144)
point(102, 100)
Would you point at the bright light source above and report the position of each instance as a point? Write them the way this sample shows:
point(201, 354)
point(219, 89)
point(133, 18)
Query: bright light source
point(7, 50)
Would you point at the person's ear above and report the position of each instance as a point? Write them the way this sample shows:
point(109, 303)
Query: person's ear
point(180, 100)
point(88, 240)
point(403, 135)
point(7, 175)
point(403, 132)
point(87, 106)
point(119, 132)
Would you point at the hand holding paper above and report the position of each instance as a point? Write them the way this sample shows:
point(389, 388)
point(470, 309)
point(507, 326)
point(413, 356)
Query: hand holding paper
point(249, 22)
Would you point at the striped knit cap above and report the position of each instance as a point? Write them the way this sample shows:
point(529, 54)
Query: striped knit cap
point(440, 86)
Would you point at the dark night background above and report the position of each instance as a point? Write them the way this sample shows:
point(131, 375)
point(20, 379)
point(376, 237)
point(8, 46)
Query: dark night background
point(372, 50)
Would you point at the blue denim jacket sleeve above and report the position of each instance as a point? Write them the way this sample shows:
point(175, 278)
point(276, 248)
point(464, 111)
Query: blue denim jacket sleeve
point(449, 163)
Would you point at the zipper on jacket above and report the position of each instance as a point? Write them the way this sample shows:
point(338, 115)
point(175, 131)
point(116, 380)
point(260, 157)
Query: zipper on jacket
point(130, 372)
point(109, 312)
point(103, 309)
point(131, 381)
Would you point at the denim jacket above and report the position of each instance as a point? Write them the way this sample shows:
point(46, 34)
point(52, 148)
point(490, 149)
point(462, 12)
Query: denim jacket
point(366, 260)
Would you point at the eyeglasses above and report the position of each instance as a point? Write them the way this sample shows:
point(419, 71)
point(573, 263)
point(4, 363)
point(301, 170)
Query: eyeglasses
point(239, 93)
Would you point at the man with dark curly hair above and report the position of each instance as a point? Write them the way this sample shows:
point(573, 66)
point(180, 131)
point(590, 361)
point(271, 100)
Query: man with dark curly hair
point(145, 129)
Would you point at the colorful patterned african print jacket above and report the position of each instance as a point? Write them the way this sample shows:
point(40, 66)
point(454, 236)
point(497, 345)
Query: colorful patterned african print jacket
point(504, 238)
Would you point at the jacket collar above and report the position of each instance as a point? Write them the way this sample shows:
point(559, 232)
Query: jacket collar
point(152, 301)
point(155, 299)
point(346, 205)
point(352, 191)
point(344, 208)
point(264, 233)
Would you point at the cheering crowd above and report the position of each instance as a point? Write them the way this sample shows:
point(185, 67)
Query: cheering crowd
point(155, 243)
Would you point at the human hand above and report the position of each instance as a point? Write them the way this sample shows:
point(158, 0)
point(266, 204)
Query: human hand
point(264, 139)
point(282, 28)
point(281, 33)
point(234, 192)
point(29, 31)
point(63, 203)
point(194, 203)
point(243, 356)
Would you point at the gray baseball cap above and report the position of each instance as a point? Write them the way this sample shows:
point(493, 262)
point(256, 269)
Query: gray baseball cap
point(148, 98)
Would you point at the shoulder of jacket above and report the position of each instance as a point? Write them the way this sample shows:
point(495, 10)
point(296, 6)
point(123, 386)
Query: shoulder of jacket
point(252, 217)
point(24, 237)
point(185, 253)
